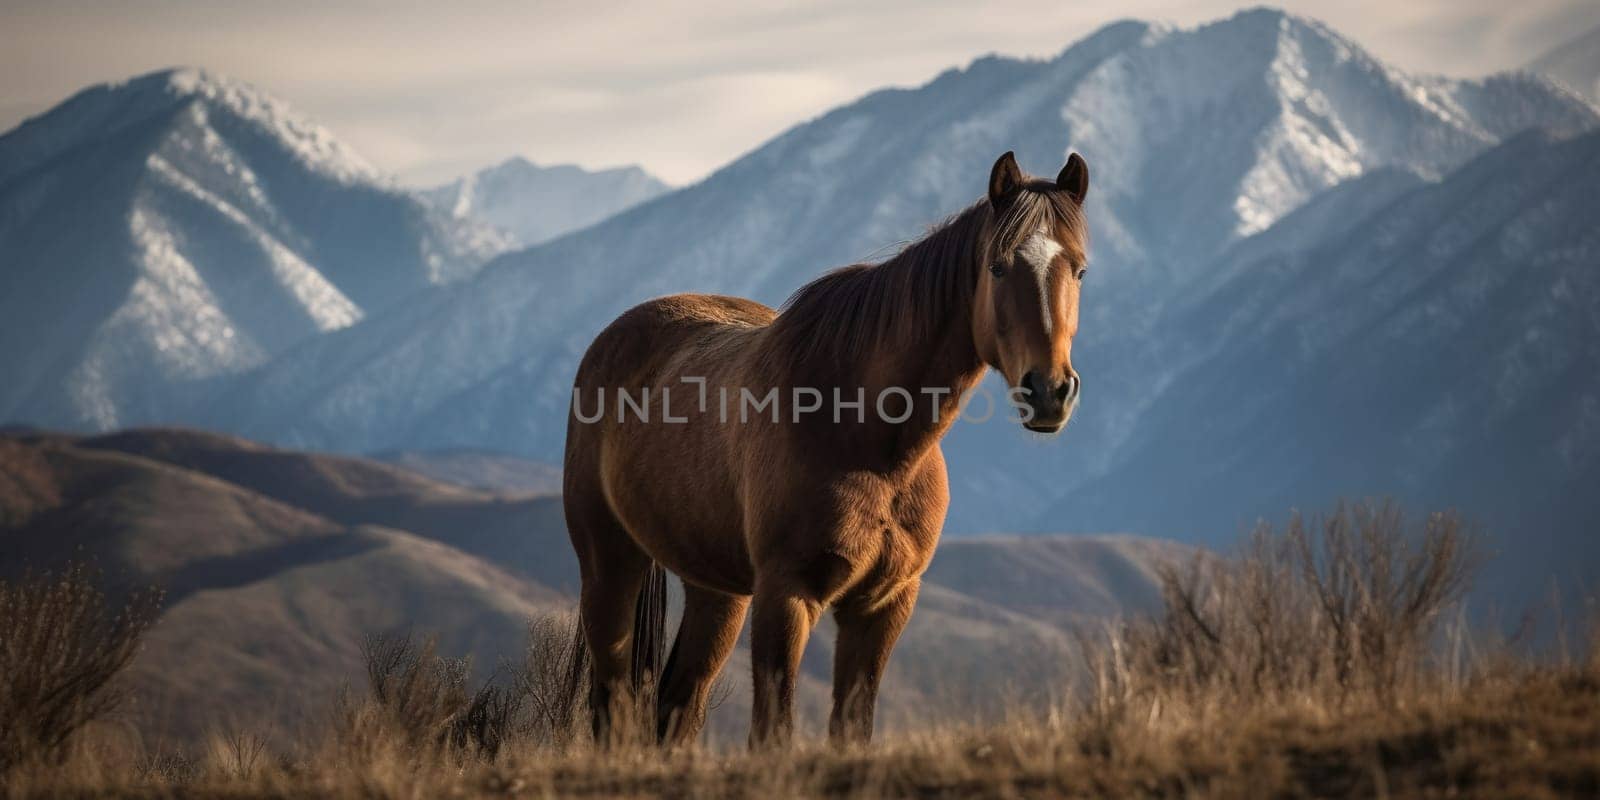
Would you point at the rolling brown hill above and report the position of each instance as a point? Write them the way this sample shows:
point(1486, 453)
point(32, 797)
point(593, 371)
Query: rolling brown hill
point(277, 563)
point(266, 601)
point(479, 469)
point(522, 533)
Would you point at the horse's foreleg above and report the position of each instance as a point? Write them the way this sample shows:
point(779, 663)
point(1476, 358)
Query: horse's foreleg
point(710, 629)
point(867, 634)
point(781, 622)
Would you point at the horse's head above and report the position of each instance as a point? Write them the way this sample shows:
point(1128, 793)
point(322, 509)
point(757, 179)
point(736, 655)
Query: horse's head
point(1025, 312)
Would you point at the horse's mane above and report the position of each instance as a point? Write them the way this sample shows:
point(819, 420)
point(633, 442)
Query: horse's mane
point(915, 294)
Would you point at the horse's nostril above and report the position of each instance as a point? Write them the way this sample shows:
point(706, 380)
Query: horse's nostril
point(1068, 389)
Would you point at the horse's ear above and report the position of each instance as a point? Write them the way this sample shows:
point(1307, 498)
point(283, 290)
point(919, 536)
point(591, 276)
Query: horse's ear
point(1074, 178)
point(1004, 180)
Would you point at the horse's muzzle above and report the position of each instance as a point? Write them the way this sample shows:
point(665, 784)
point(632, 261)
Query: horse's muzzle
point(1051, 402)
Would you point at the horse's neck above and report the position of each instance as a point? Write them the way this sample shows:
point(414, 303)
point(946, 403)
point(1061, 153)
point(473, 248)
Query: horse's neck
point(935, 348)
point(937, 385)
point(931, 355)
point(936, 371)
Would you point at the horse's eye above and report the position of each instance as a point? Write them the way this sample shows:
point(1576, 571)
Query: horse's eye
point(997, 269)
point(1082, 271)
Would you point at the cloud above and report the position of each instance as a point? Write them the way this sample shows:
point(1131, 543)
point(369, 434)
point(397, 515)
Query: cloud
point(427, 92)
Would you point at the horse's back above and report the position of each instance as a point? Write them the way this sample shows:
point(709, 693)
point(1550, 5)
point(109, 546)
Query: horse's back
point(637, 342)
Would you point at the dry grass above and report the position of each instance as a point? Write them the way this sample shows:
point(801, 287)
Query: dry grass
point(1324, 660)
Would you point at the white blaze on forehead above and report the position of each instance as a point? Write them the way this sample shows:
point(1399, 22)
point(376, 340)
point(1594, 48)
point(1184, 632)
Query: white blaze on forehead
point(1039, 251)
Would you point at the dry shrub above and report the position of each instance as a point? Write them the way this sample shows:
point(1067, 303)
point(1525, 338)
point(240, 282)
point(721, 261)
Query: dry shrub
point(61, 652)
point(421, 703)
point(420, 694)
point(1346, 608)
point(166, 768)
point(540, 701)
point(552, 681)
point(238, 753)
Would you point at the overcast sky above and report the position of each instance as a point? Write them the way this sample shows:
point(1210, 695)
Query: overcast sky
point(428, 91)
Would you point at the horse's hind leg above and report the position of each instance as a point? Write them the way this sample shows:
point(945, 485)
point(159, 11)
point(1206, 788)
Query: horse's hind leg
point(866, 635)
point(613, 569)
point(706, 637)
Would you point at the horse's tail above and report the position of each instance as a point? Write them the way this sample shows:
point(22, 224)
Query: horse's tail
point(578, 669)
point(650, 638)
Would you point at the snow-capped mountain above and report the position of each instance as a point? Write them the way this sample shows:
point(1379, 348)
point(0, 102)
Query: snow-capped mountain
point(535, 204)
point(1195, 138)
point(1576, 64)
point(1443, 347)
point(162, 233)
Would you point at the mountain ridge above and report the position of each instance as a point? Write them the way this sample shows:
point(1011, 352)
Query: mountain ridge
point(533, 203)
point(174, 229)
point(1575, 63)
point(107, 108)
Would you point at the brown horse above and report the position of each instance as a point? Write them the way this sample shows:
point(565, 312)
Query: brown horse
point(699, 441)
